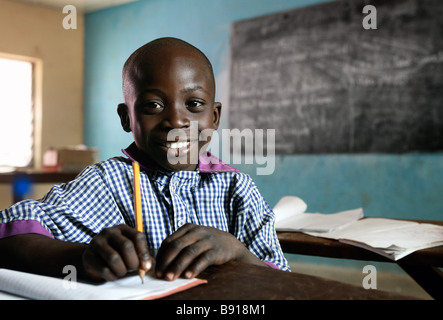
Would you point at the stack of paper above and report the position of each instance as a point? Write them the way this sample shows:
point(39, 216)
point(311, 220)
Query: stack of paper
point(391, 238)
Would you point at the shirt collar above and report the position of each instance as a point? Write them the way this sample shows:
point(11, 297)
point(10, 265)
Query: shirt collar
point(207, 163)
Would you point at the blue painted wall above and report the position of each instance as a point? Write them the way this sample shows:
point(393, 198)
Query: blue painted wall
point(397, 186)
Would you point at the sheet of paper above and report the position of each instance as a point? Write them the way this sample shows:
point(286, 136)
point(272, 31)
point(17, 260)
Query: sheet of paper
point(289, 206)
point(34, 286)
point(364, 226)
point(391, 233)
point(7, 296)
point(391, 253)
point(319, 222)
point(131, 288)
point(391, 238)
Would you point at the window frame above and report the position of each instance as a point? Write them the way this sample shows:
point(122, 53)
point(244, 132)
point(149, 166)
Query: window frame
point(37, 83)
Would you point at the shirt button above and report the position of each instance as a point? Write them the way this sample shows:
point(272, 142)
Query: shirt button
point(181, 222)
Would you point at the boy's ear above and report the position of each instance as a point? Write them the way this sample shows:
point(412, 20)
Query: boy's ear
point(122, 111)
point(217, 114)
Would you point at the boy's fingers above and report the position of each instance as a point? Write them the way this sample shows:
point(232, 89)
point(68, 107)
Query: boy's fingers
point(140, 247)
point(96, 267)
point(116, 251)
point(200, 264)
point(170, 248)
point(191, 250)
point(179, 250)
point(113, 259)
point(125, 248)
point(184, 259)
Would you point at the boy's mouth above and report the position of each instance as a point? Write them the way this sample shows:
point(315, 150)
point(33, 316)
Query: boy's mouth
point(178, 149)
point(177, 144)
point(184, 144)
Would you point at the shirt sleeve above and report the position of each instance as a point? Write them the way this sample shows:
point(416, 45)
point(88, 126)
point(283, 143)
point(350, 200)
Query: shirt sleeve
point(73, 211)
point(255, 225)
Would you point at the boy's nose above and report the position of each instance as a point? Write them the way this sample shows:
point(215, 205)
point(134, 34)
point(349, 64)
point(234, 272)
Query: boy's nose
point(176, 117)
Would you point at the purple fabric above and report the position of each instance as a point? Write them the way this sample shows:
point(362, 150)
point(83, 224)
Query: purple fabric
point(22, 227)
point(270, 264)
point(210, 163)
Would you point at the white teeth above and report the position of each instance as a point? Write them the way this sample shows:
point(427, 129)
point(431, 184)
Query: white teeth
point(177, 145)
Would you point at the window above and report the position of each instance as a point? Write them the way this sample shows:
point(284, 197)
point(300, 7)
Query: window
point(16, 113)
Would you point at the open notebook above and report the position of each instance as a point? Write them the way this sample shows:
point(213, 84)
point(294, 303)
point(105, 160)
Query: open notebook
point(31, 286)
point(391, 238)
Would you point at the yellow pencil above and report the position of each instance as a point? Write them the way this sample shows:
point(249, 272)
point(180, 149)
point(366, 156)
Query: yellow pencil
point(138, 207)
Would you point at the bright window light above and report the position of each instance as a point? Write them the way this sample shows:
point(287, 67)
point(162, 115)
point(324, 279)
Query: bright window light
point(16, 113)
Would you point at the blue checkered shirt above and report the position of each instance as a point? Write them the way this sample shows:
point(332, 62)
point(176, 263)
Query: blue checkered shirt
point(101, 197)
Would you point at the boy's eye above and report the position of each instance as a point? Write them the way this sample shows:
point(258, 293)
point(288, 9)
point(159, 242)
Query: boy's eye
point(195, 104)
point(152, 106)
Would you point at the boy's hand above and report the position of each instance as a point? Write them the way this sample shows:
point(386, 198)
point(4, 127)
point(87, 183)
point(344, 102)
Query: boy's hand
point(116, 251)
point(192, 248)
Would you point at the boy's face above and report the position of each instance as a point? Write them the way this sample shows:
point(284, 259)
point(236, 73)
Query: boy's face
point(171, 90)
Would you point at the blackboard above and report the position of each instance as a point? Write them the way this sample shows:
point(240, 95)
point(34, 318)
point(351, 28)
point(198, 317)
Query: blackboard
point(328, 85)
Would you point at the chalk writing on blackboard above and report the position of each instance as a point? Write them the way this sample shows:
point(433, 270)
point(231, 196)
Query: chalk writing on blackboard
point(327, 85)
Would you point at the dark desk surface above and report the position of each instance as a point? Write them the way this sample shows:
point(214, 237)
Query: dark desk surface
point(239, 281)
point(38, 176)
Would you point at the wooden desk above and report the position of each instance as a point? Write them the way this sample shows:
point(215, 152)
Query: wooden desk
point(36, 177)
point(421, 265)
point(240, 281)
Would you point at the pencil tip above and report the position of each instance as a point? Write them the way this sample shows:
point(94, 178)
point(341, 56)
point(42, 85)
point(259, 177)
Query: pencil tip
point(142, 273)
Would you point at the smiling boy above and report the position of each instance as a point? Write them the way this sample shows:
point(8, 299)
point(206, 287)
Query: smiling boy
point(167, 90)
point(196, 214)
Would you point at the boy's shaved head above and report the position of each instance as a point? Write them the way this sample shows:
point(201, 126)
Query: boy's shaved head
point(143, 58)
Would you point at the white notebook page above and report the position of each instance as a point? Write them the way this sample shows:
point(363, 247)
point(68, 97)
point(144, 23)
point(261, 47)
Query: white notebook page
point(47, 288)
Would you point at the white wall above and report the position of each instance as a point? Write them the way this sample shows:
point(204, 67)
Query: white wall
point(37, 32)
